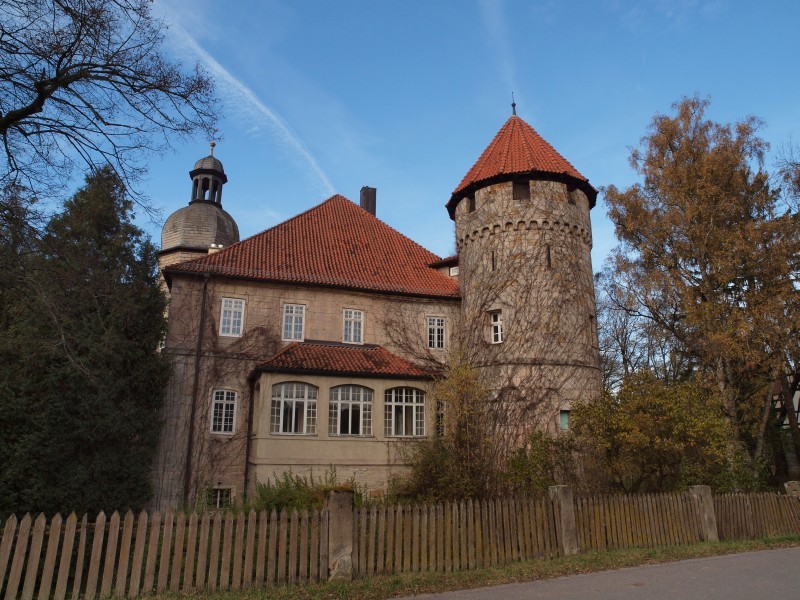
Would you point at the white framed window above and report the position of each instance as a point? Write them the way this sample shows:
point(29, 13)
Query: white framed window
point(232, 316)
point(350, 410)
point(220, 497)
point(293, 321)
point(453, 271)
point(223, 411)
point(353, 326)
point(294, 408)
point(436, 333)
point(496, 326)
point(405, 412)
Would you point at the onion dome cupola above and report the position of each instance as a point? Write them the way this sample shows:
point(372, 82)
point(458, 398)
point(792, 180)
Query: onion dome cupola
point(519, 152)
point(202, 225)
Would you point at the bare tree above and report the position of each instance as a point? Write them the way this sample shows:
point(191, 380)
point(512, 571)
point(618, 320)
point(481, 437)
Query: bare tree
point(87, 83)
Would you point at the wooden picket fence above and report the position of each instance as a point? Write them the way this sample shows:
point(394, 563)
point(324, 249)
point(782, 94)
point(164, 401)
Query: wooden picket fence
point(643, 521)
point(130, 556)
point(453, 536)
point(751, 516)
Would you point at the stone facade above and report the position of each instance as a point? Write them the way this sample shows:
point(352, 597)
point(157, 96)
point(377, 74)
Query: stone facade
point(528, 261)
point(269, 375)
point(226, 363)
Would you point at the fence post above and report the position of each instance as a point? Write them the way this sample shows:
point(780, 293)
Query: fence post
point(705, 505)
point(340, 534)
point(562, 497)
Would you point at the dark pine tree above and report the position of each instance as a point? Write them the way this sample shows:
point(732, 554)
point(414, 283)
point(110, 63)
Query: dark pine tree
point(81, 379)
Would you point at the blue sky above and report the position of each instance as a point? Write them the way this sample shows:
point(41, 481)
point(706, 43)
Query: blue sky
point(323, 97)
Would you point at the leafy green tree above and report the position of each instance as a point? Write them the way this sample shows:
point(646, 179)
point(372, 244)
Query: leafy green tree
point(710, 255)
point(81, 378)
point(654, 436)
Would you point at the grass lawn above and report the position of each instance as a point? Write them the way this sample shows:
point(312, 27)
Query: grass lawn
point(388, 586)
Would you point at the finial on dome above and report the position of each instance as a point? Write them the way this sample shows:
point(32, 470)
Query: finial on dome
point(212, 144)
point(513, 105)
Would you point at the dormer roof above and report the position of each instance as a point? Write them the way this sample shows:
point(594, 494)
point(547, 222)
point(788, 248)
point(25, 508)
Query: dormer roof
point(335, 244)
point(516, 150)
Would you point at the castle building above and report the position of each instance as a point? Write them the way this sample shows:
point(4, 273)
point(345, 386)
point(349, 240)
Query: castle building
point(315, 343)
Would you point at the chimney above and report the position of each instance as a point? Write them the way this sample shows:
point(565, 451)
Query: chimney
point(368, 195)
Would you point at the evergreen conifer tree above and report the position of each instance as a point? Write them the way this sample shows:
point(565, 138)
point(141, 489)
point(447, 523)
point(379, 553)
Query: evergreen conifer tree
point(81, 378)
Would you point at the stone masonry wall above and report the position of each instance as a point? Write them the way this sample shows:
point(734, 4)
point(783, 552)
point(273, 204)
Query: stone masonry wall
point(530, 260)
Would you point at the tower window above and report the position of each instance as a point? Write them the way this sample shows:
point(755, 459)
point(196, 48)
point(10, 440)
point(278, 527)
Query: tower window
point(496, 325)
point(470, 203)
point(548, 257)
point(563, 419)
point(571, 194)
point(494, 261)
point(522, 190)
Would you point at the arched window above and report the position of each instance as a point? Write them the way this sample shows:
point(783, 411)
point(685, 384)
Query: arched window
point(405, 412)
point(350, 410)
point(294, 408)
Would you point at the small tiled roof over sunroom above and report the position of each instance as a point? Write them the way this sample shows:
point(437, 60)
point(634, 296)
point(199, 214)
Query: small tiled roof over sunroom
point(518, 149)
point(334, 244)
point(330, 358)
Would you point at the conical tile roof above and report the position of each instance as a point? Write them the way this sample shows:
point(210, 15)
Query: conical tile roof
point(518, 149)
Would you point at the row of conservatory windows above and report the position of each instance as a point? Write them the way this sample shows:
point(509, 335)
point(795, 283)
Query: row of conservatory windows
point(293, 410)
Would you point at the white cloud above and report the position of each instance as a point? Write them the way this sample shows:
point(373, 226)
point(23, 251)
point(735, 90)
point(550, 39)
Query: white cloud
point(244, 105)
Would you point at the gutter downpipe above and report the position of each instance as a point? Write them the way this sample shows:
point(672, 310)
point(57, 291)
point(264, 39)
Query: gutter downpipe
point(187, 473)
point(249, 434)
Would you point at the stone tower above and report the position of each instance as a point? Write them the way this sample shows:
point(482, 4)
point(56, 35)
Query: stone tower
point(524, 239)
point(202, 227)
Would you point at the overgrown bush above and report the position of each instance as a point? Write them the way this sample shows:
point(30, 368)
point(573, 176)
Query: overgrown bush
point(291, 491)
point(546, 460)
point(653, 436)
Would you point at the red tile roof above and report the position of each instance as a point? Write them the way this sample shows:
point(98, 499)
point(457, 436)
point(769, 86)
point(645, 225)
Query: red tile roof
point(340, 359)
point(516, 149)
point(336, 243)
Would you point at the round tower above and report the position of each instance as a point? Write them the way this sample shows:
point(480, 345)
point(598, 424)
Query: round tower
point(523, 236)
point(202, 226)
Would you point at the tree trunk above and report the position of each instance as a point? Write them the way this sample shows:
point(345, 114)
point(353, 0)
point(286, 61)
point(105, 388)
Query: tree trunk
point(788, 392)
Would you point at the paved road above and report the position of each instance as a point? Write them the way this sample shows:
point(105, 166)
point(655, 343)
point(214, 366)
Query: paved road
point(764, 575)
